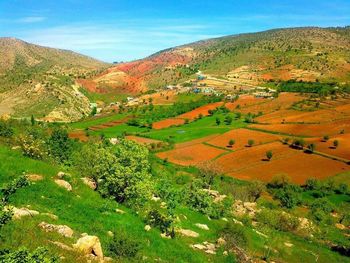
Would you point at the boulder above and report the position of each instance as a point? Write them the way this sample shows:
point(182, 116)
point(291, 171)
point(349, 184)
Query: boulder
point(340, 226)
point(287, 244)
point(63, 230)
point(187, 233)
point(164, 235)
point(147, 228)
point(119, 211)
point(242, 208)
point(34, 177)
point(61, 175)
point(64, 184)
point(21, 212)
point(221, 242)
point(202, 226)
point(114, 141)
point(89, 182)
point(89, 246)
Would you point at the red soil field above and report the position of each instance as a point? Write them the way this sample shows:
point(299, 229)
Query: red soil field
point(196, 141)
point(80, 135)
point(191, 155)
point(167, 123)
point(142, 140)
point(241, 137)
point(108, 124)
point(201, 110)
point(342, 151)
point(254, 156)
point(299, 167)
point(162, 98)
point(244, 101)
point(312, 130)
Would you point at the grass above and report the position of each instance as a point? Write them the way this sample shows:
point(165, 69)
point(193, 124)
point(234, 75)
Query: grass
point(92, 121)
point(194, 130)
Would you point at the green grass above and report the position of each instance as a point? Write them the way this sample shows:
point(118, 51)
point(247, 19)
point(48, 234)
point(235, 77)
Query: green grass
point(92, 121)
point(119, 130)
point(194, 130)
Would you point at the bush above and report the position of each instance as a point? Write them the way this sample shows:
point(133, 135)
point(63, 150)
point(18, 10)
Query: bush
point(24, 255)
point(235, 235)
point(123, 246)
point(287, 197)
point(5, 129)
point(60, 146)
point(157, 219)
point(31, 147)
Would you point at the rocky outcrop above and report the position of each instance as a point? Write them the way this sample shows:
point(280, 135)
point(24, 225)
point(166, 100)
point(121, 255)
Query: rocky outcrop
point(187, 233)
point(202, 226)
point(18, 213)
point(89, 246)
point(89, 182)
point(241, 208)
point(34, 177)
point(63, 230)
point(64, 184)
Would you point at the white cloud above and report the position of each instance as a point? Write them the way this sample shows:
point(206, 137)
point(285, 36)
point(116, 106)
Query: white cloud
point(31, 19)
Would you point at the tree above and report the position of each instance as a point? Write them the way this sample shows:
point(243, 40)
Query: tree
point(5, 129)
point(250, 142)
point(122, 172)
point(60, 146)
point(93, 111)
point(255, 190)
point(311, 147)
point(269, 155)
point(325, 138)
point(208, 171)
point(335, 143)
point(231, 143)
point(32, 120)
point(228, 120)
point(218, 121)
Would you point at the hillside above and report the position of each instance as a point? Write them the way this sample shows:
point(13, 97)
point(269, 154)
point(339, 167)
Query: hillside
point(307, 54)
point(41, 81)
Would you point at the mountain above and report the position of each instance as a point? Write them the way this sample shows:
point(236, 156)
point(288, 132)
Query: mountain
point(40, 81)
point(307, 54)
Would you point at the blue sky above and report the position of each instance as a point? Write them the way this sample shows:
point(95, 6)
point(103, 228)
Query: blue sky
point(120, 30)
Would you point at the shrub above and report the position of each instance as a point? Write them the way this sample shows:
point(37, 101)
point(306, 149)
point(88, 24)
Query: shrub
point(269, 155)
point(208, 171)
point(24, 255)
point(5, 129)
point(280, 180)
point(235, 235)
point(157, 219)
point(31, 147)
point(287, 197)
point(250, 143)
point(123, 246)
point(325, 138)
point(335, 143)
point(60, 146)
point(231, 143)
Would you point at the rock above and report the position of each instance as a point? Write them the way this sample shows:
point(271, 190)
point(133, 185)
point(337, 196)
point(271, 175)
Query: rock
point(260, 234)
point(107, 259)
point(119, 211)
point(61, 175)
point(202, 226)
point(340, 226)
point(155, 199)
point(89, 245)
point(199, 246)
point(225, 253)
point(147, 228)
point(35, 177)
point(110, 233)
point(163, 235)
point(163, 205)
point(242, 208)
point(288, 244)
point(64, 184)
point(52, 216)
point(114, 141)
point(237, 222)
point(221, 242)
point(187, 232)
point(16, 147)
point(63, 230)
point(89, 182)
point(224, 219)
point(209, 251)
point(21, 212)
point(61, 245)
point(216, 195)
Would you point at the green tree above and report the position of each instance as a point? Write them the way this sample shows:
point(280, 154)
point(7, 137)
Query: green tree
point(269, 155)
point(311, 147)
point(335, 143)
point(228, 120)
point(218, 121)
point(231, 143)
point(325, 138)
point(250, 142)
point(32, 120)
point(60, 146)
